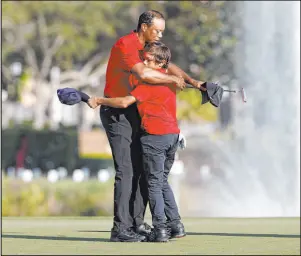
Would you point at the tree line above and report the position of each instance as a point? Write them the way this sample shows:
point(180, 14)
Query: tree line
point(76, 37)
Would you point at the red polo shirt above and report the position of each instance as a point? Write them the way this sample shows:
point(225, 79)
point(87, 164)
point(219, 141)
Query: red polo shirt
point(157, 108)
point(124, 55)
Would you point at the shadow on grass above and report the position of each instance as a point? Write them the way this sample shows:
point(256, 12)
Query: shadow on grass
point(63, 238)
point(214, 234)
point(241, 234)
point(14, 232)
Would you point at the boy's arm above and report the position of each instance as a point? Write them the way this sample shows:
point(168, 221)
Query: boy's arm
point(119, 102)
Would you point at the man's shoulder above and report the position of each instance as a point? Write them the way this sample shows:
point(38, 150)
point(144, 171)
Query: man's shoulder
point(125, 40)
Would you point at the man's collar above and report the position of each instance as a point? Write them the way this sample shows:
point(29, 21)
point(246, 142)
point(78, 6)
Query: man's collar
point(136, 34)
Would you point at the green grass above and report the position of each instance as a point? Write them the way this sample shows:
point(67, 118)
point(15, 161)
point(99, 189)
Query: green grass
point(205, 236)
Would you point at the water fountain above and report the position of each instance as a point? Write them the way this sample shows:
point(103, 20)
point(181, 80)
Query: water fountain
point(262, 175)
point(258, 171)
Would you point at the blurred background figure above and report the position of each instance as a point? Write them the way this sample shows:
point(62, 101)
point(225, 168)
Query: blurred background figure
point(242, 159)
point(21, 152)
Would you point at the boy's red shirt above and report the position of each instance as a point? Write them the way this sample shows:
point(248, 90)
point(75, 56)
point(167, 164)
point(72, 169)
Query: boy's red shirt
point(157, 107)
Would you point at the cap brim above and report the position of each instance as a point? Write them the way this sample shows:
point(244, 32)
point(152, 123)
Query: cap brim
point(205, 97)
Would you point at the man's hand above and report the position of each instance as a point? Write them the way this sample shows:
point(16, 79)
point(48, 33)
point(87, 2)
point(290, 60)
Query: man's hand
point(182, 141)
point(199, 85)
point(92, 102)
point(180, 83)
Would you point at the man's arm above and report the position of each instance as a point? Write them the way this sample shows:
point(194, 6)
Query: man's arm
point(151, 76)
point(175, 70)
point(131, 61)
point(119, 102)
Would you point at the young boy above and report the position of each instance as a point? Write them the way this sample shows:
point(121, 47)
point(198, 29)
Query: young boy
point(159, 140)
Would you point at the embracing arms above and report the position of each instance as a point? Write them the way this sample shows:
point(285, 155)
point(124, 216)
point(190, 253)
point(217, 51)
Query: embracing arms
point(175, 75)
point(130, 60)
point(151, 76)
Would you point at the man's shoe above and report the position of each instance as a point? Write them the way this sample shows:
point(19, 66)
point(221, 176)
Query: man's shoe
point(177, 230)
point(159, 235)
point(127, 235)
point(143, 229)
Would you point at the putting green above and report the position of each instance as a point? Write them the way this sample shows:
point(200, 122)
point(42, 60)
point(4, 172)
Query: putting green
point(90, 236)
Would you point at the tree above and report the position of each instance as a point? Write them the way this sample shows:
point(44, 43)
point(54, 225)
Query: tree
point(64, 34)
point(77, 38)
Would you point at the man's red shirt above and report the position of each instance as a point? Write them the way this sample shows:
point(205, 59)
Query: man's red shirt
point(157, 107)
point(124, 55)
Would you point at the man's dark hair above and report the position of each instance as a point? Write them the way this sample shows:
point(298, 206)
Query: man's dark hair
point(160, 52)
point(148, 17)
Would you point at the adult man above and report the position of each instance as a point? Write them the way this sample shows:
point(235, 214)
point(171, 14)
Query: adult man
point(159, 140)
point(123, 125)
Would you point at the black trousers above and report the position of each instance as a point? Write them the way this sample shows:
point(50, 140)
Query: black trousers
point(130, 188)
point(158, 158)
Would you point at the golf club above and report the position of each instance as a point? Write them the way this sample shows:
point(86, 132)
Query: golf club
point(241, 91)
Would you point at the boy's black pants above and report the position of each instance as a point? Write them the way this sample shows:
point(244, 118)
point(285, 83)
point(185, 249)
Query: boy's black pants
point(158, 158)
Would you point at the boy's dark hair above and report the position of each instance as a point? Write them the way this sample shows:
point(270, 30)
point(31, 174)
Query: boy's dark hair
point(148, 17)
point(160, 52)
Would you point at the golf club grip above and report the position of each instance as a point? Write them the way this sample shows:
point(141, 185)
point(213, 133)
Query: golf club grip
point(190, 86)
point(243, 95)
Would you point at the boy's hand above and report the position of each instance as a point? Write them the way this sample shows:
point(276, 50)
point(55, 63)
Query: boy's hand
point(182, 141)
point(180, 83)
point(92, 102)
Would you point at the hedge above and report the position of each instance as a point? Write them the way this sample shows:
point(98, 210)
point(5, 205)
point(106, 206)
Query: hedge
point(63, 198)
point(50, 149)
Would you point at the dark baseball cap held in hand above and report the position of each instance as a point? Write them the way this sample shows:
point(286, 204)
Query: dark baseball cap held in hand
point(213, 94)
point(70, 96)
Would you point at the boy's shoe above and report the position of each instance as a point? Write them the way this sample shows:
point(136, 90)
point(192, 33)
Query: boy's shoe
point(127, 235)
point(159, 235)
point(177, 230)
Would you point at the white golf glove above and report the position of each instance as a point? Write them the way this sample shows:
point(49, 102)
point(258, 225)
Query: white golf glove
point(182, 141)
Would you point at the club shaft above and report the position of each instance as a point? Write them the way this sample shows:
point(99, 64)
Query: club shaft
point(229, 91)
point(190, 86)
point(242, 91)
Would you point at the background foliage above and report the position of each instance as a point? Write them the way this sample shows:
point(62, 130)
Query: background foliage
point(70, 34)
point(64, 198)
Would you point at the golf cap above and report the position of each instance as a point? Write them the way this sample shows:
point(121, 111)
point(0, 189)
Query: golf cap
point(214, 94)
point(70, 96)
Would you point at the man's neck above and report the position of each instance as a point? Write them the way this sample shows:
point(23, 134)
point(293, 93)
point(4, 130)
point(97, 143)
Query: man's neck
point(140, 37)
